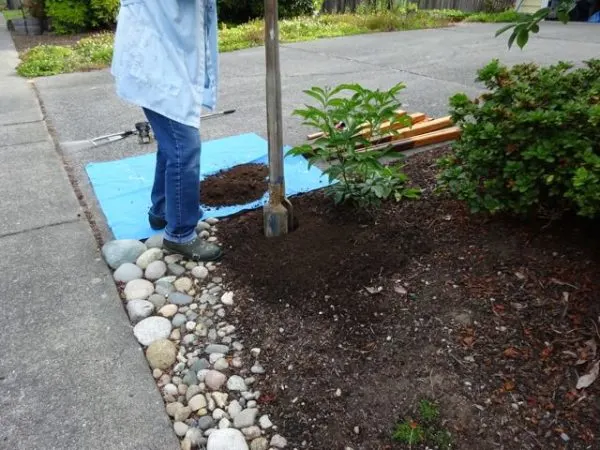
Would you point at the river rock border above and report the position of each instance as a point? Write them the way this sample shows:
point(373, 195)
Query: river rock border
point(178, 309)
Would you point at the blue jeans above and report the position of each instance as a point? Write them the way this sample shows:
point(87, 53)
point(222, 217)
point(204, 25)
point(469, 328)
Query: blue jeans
point(176, 190)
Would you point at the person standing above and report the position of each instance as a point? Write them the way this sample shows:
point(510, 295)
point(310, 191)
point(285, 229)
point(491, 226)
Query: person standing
point(165, 61)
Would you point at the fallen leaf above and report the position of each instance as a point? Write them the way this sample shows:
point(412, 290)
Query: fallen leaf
point(498, 308)
point(511, 352)
point(508, 385)
point(469, 341)
point(587, 379)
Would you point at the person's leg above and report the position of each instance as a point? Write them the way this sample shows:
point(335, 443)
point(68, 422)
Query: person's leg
point(157, 213)
point(181, 147)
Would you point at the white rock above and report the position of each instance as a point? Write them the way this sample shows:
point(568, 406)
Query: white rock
point(197, 402)
point(236, 383)
point(200, 272)
point(172, 408)
point(255, 352)
point(213, 378)
point(138, 290)
point(251, 432)
point(127, 272)
point(183, 284)
point(278, 441)
point(246, 418)
point(214, 357)
point(155, 241)
point(152, 329)
point(224, 423)
point(139, 310)
point(221, 364)
point(180, 428)
point(168, 310)
point(170, 389)
point(265, 423)
point(260, 443)
point(220, 398)
point(226, 439)
point(190, 326)
point(218, 414)
point(212, 220)
point(119, 252)
point(155, 270)
point(227, 298)
point(195, 436)
point(234, 409)
point(149, 256)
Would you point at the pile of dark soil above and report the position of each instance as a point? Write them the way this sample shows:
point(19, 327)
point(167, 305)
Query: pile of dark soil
point(361, 317)
point(239, 185)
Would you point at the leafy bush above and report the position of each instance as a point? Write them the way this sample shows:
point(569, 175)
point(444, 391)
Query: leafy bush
point(359, 177)
point(89, 53)
point(234, 11)
point(531, 144)
point(68, 16)
point(103, 13)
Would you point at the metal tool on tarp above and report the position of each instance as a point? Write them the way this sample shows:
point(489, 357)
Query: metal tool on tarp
point(141, 129)
point(278, 212)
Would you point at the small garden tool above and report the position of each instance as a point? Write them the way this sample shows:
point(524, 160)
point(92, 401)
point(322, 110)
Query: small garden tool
point(141, 129)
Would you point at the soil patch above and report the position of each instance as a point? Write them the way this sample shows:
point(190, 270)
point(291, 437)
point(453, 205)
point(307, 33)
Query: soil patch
point(360, 318)
point(239, 185)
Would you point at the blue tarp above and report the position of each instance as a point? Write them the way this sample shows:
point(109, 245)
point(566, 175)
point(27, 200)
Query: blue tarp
point(123, 187)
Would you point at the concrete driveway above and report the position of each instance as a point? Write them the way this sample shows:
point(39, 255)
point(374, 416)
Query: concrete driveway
point(434, 64)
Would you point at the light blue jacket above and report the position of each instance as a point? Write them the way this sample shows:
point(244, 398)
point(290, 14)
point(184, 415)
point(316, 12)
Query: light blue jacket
point(166, 57)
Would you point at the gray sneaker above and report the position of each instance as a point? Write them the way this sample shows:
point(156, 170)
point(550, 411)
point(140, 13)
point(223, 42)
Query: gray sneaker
point(196, 250)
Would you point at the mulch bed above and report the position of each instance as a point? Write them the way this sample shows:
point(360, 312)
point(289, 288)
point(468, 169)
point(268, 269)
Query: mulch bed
point(236, 186)
point(487, 317)
point(25, 42)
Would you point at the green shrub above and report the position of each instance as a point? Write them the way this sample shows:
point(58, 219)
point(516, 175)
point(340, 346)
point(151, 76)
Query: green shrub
point(359, 177)
point(45, 60)
point(68, 16)
point(235, 11)
point(103, 13)
point(531, 144)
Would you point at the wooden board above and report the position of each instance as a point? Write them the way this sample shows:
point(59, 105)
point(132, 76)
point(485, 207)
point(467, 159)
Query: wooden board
point(422, 140)
point(319, 134)
point(415, 130)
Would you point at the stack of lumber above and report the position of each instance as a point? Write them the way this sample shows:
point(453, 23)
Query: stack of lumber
point(423, 131)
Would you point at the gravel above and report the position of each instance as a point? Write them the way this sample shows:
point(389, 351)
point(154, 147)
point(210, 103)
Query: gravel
point(148, 257)
point(119, 252)
point(138, 289)
point(139, 310)
point(245, 418)
point(152, 329)
point(179, 309)
point(127, 272)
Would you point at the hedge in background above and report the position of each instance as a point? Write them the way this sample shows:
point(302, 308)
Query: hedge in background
point(531, 144)
point(236, 11)
point(74, 16)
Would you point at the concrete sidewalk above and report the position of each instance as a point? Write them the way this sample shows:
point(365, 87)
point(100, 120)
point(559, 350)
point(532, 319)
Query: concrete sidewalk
point(72, 375)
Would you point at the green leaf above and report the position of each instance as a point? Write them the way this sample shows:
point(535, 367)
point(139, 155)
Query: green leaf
point(505, 28)
point(522, 38)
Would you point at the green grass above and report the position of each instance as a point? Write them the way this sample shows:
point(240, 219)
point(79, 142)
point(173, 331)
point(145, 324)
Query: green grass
point(501, 17)
point(96, 52)
point(426, 428)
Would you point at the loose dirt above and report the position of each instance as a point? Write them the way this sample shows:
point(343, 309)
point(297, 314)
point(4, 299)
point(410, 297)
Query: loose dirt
point(237, 186)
